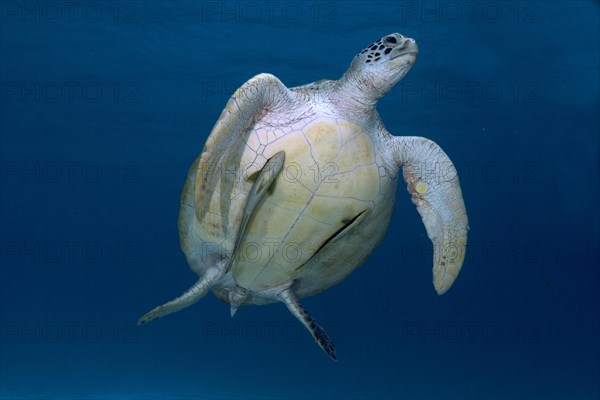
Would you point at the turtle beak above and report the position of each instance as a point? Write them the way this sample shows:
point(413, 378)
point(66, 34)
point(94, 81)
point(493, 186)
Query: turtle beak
point(408, 46)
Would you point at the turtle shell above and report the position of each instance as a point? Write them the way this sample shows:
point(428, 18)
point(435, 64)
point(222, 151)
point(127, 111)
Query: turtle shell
point(314, 223)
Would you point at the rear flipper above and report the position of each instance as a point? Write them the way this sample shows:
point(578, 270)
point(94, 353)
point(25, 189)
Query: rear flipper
point(191, 296)
point(317, 332)
point(264, 181)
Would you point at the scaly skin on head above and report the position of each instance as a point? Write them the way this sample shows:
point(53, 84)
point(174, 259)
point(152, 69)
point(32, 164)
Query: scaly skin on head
point(374, 72)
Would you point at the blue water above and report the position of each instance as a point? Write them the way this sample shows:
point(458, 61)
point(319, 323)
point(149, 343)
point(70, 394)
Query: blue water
point(104, 105)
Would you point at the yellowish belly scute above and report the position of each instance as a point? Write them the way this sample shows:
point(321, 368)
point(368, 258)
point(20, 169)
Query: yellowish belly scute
point(329, 177)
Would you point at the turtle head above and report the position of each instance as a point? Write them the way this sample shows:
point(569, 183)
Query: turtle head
point(377, 68)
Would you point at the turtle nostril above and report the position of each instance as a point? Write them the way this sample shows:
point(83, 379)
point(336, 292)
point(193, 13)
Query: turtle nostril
point(404, 44)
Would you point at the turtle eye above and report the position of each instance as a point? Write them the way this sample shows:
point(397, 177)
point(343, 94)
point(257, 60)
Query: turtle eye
point(391, 39)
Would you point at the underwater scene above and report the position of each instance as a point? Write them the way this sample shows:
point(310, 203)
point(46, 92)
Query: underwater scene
point(398, 199)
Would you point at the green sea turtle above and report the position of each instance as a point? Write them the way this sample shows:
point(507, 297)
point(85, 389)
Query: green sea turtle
point(295, 188)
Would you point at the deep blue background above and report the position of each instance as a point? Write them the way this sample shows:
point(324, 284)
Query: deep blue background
point(102, 114)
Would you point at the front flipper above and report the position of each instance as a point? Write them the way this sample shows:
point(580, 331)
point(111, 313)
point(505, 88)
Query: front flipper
point(433, 183)
point(318, 333)
point(191, 296)
point(222, 153)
